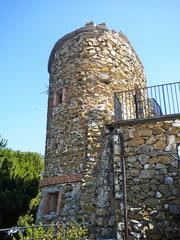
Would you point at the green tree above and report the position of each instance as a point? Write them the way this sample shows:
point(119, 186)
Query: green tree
point(3, 142)
point(28, 218)
point(19, 179)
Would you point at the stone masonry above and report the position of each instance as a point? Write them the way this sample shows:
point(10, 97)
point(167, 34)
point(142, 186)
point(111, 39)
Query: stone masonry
point(82, 177)
point(153, 179)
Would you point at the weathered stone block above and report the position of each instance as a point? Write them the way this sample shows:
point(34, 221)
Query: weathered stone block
point(145, 188)
point(160, 216)
point(137, 142)
point(117, 150)
point(160, 145)
point(151, 202)
point(143, 149)
point(176, 123)
point(174, 208)
point(160, 166)
point(111, 221)
point(143, 158)
point(157, 130)
point(164, 189)
point(135, 188)
point(172, 131)
point(164, 159)
point(134, 173)
point(149, 166)
point(137, 165)
point(153, 160)
point(143, 132)
point(168, 180)
point(131, 159)
point(174, 163)
point(158, 195)
point(147, 173)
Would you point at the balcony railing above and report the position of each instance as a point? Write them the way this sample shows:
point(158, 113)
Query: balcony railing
point(150, 102)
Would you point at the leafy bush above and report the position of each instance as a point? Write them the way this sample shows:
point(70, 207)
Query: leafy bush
point(73, 231)
point(29, 217)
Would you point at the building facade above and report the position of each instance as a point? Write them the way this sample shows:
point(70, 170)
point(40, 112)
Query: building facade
point(82, 177)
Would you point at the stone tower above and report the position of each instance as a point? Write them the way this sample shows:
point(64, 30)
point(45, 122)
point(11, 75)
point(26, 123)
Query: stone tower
point(85, 66)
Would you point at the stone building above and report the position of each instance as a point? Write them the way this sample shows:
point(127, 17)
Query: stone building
point(83, 172)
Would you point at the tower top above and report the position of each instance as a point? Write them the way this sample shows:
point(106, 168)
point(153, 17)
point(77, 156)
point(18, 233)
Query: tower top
point(90, 28)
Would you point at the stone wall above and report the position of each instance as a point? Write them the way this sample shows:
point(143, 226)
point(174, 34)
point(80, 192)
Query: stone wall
point(83, 176)
point(153, 179)
point(90, 63)
point(85, 67)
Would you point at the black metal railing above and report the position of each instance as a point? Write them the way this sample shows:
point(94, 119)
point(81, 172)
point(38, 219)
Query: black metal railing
point(46, 232)
point(154, 101)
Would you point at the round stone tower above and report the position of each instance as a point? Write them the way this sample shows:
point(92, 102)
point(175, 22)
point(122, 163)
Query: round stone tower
point(86, 66)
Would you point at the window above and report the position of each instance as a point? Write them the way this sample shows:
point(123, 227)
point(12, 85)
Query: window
point(60, 96)
point(57, 98)
point(52, 203)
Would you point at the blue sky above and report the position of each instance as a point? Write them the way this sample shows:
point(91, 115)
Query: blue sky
point(28, 31)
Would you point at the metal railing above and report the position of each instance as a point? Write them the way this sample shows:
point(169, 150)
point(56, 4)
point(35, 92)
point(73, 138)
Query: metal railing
point(46, 232)
point(154, 101)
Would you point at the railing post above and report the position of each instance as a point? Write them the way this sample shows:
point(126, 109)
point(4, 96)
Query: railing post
point(136, 106)
point(117, 109)
point(139, 100)
point(164, 100)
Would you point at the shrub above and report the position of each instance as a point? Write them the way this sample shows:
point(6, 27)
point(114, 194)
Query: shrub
point(71, 231)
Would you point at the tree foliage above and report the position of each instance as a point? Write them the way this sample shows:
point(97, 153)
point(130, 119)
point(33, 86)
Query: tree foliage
point(29, 217)
point(3, 142)
point(19, 180)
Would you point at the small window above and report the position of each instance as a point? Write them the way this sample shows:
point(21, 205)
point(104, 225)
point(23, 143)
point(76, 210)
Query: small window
point(57, 98)
point(52, 203)
point(60, 96)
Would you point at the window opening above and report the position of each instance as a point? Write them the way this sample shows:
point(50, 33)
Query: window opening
point(60, 96)
point(52, 203)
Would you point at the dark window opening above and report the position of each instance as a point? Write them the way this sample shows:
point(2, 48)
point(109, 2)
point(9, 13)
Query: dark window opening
point(57, 98)
point(52, 203)
point(60, 96)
